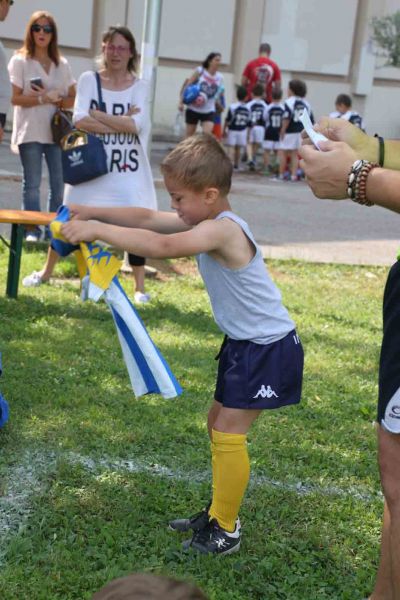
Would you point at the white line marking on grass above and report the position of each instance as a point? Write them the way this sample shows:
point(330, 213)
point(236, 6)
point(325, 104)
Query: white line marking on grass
point(23, 480)
point(28, 478)
point(138, 466)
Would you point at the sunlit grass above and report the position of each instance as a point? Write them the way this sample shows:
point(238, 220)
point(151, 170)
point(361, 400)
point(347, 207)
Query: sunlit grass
point(70, 401)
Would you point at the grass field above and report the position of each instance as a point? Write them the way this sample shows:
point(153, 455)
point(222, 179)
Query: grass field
point(90, 476)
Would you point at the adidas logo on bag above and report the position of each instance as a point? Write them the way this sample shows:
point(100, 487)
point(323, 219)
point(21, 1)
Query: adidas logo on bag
point(75, 158)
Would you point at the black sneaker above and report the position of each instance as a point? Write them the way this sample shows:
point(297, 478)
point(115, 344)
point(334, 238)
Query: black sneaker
point(187, 543)
point(195, 522)
point(214, 540)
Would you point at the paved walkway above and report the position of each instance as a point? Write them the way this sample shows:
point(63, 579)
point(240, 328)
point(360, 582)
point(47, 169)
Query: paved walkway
point(287, 220)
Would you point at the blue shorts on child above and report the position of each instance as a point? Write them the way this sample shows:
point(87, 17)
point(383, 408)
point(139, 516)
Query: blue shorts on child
point(256, 376)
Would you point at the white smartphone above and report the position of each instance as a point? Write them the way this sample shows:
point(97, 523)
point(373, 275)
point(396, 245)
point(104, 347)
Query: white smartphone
point(314, 136)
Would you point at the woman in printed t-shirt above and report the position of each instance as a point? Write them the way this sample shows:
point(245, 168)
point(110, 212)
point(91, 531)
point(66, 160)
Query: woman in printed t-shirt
point(123, 127)
point(41, 80)
point(202, 110)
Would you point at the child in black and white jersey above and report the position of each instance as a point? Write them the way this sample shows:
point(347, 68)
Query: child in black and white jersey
point(273, 125)
point(257, 107)
point(292, 127)
point(235, 127)
point(343, 105)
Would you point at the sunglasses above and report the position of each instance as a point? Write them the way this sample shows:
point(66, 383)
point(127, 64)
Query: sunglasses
point(119, 49)
point(45, 28)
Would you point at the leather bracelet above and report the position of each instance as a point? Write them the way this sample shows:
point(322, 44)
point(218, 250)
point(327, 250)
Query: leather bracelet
point(357, 181)
point(381, 149)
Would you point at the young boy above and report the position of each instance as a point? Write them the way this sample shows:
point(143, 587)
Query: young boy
point(273, 125)
point(261, 358)
point(257, 107)
point(343, 111)
point(292, 127)
point(236, 124)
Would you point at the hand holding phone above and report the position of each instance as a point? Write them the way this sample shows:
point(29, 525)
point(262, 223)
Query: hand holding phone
point(314, 136)
point(36, 83)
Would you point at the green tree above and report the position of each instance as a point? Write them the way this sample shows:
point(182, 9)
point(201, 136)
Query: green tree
point(386, 33)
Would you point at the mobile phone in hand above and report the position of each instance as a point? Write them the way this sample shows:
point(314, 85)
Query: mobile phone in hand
point(314, 136)
point(37, 82)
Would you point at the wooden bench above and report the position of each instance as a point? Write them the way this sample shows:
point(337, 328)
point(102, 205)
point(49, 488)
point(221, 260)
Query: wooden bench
point(18, 219)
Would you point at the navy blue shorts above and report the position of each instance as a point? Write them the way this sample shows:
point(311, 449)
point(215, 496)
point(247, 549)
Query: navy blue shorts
point(389, 364)
point(260, 376)
point(135, 260)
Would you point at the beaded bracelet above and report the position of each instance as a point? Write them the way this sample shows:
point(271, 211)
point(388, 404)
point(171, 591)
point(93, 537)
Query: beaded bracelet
point(357, 181)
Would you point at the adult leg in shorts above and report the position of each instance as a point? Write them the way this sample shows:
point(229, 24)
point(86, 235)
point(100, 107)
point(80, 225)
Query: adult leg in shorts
point(137, 263)
point(192, 118)
point(207, 123)
point(388, 578)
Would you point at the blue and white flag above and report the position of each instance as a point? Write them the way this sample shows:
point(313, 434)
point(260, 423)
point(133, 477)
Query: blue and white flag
point(148, 370)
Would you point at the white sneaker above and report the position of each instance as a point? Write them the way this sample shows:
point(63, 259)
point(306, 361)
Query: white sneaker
point(126, 268)
point(141, 298)
point(32, 280)
point(32, 237)
point(150, 271)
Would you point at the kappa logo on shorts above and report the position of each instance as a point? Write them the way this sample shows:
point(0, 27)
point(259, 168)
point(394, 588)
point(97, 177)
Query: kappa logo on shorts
point(391, 420)
point(266, 392)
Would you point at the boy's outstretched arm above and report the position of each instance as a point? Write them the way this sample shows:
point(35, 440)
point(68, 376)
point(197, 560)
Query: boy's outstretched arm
point(142, 218)
point(206, 236)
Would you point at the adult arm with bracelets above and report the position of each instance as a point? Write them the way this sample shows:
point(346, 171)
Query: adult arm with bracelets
point(367, 170)
point(328, 171)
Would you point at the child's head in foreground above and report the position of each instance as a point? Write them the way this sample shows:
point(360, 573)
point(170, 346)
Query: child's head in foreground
point(197, 163)
point(298, 88)
point(145, 586)
point(343, 103)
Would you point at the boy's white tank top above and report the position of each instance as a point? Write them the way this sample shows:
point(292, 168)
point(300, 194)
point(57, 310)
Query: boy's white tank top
point(246, 303)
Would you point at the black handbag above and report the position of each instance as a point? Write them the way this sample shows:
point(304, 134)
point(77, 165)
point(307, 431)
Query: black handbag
point(61, 124)
point(83, 154)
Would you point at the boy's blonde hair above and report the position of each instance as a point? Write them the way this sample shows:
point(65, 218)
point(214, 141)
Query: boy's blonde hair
point(199, 162)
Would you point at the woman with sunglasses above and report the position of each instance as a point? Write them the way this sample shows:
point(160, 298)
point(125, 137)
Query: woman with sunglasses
point(123, 123)
point(41, 80)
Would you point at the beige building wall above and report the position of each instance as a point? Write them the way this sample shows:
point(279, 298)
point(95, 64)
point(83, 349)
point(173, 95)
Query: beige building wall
point(323, 42)
point(328, 44)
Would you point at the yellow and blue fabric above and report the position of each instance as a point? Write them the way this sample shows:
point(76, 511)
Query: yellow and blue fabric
point(4, 409)
point(148, 371)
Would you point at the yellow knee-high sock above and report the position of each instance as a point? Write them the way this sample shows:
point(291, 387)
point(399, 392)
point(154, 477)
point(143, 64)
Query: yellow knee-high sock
point(231, 472)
